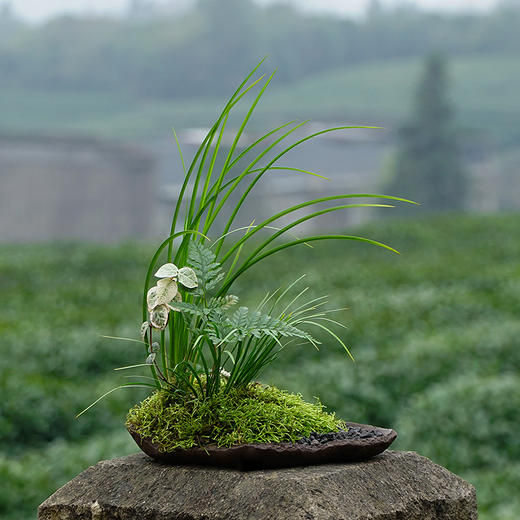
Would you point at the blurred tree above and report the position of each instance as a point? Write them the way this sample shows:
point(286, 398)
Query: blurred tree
point(141, 8)
point(374, 10)
point(229, 30)
point(6, 11)
point(8, 20)
point(188, 48)
point(427, 166)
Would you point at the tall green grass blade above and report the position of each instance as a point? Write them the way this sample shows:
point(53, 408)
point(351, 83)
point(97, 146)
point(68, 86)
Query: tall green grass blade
point(257, 142)
point(251, 185)
point(303, 205)
point(310, 217)
point(132, 366)
point(212, 162)
point(225, 287)
point(335, 336)
point(232, 149)
point(291, 169)
point(232, 101)
point(124, 339)
point(127, 385)
point(273, 161)
point(179, 149)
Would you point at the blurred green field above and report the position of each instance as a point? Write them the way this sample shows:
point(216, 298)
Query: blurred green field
point(485, 93)
point(435, 333)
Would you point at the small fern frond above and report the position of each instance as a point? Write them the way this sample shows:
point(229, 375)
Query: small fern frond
point(203, 261)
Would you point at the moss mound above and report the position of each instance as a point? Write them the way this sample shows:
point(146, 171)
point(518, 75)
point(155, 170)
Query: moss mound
point(255, 414)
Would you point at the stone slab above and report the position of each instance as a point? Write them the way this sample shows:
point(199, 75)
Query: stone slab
point(394, 485)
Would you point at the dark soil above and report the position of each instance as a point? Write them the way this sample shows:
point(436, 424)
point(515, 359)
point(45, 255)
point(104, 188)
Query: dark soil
point(353, 432)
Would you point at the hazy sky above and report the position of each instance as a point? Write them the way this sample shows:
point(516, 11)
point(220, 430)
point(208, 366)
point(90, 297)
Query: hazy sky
point(37, 10)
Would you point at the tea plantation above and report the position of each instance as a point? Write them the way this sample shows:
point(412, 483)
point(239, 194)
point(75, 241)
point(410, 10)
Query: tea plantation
point(435, 333)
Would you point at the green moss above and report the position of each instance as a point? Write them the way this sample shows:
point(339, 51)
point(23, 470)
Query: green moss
point(248, 415)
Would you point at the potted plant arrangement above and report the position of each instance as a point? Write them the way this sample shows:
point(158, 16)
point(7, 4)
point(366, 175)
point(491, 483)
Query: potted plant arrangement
point(205, 351)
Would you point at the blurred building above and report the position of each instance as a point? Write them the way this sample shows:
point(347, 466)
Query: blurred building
point(73, 188)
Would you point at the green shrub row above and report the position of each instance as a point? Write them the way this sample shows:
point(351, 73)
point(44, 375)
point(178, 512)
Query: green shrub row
point(435, 334)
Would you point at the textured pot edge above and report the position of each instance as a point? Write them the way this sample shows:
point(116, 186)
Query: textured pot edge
point(272, 455)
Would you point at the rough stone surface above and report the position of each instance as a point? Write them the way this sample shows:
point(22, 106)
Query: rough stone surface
point(395, 485)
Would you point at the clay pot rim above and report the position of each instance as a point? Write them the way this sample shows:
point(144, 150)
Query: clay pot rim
point(273, 455)
point(287, 445)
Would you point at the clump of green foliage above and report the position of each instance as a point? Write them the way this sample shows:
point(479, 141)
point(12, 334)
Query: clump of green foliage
point(190, 334)
point(252, 414)
point(464, 326)
point(203, 355)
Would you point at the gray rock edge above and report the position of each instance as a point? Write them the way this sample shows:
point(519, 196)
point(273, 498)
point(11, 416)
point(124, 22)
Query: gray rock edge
point(394, 485)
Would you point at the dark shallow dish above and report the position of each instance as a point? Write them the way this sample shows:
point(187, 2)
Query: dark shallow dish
point(361, 442)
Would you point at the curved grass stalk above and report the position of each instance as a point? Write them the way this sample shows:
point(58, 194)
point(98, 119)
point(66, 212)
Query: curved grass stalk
point(206, 144)
point(127, 385)
point(303, 205)
point(283, 293)
point(304, 219)
point(236, 139)
point(132, 366)
point(239, 250)
point(257, 142)
point(291, 303)
point(273, 161)
point(335, 322)
point(123, 339)
point(209, 137)
point(213, 215)
point(247, 150)
point(210, 199)
point(213, 159)
point(264, 300)
point(179, 149)
point(310, 305)
point(246, 173)
point(195, 357)
point(277, 249)
point(291, 169)
point(335, 336)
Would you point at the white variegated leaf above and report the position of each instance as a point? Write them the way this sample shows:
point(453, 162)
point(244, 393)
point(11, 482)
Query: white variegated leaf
point(188, 278)
point(167, 271)
point(144, 329)
point(177, 298)
point(151, 297)
point(150, 359)
point(167, 289)
point(159, 316)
